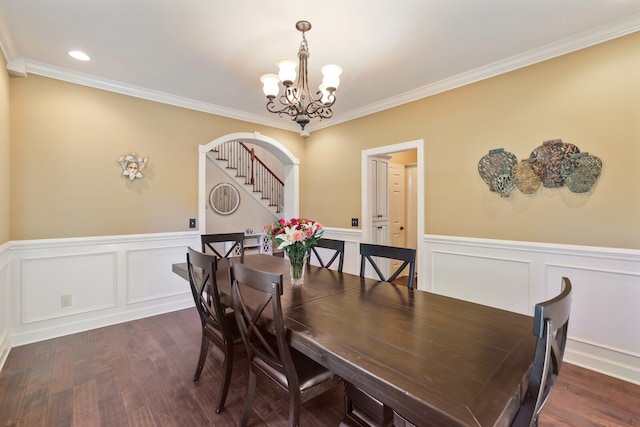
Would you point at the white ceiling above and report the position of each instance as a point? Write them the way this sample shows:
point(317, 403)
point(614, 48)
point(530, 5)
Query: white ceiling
point(209, 54)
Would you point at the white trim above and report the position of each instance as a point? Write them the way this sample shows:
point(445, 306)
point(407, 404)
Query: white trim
point(160, 289)
point(364, 179)
point(606, 283)
point(568, 45)
point(516, 275)
point(291, 172)
point(22, 66)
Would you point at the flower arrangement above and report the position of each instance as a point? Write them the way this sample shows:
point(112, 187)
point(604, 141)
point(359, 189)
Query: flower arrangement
point(295, 237)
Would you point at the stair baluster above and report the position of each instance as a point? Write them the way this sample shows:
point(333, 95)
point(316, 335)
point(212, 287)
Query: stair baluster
point(255, 173)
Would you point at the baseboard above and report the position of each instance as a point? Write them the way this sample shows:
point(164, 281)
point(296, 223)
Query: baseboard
point(5, 347)
point(50, 332)
point(614, 363)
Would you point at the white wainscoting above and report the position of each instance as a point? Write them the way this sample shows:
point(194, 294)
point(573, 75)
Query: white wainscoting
point(109, 280)
point(605, 313)
point(352, 239)
point(119, 278)
point(5, 335)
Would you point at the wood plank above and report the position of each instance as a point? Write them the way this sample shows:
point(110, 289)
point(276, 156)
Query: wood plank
point(581, 397)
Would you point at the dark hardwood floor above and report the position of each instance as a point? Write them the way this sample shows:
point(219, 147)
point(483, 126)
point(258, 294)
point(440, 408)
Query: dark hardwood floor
point(140, 373)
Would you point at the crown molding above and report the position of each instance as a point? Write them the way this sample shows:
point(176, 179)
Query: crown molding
point(46, 70)
point(565, 46)
point(22, 66)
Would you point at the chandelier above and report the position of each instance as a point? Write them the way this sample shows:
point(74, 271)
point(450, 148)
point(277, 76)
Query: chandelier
point(297, 100)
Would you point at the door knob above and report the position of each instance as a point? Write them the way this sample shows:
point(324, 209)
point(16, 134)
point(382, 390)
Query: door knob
point(401, 228)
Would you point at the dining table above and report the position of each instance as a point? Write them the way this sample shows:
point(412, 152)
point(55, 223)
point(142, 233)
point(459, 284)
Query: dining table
point(434, 360)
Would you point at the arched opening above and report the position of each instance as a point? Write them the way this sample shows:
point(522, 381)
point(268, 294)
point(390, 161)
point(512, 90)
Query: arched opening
point(290, 163)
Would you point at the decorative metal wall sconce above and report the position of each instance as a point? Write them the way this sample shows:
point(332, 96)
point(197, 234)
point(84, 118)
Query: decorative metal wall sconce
point(132, 166)
point(553, 164)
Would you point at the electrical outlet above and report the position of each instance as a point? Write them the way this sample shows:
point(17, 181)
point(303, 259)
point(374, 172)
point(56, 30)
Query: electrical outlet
point(65, 300)
point(192, 223)
point(354, 222)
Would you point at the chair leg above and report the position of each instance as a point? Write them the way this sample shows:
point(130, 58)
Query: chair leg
point(294, 408)
point(227, 366)
point(204, 346)
point(248, 399)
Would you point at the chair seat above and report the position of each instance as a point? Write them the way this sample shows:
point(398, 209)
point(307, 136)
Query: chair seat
point(310, 373)
point(214, 332)
point(271, 355)
point(218, 322)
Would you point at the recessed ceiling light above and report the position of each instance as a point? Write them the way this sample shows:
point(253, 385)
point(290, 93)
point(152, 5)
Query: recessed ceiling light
point(80, 56)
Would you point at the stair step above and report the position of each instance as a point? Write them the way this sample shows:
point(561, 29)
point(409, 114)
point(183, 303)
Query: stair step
point(242, 175)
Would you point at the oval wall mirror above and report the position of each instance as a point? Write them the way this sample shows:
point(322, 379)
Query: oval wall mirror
point(224, 198)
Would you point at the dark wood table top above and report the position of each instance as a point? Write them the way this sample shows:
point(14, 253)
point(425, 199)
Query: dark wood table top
point(438, 361)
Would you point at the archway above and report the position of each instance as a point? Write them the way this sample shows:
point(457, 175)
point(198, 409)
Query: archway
point(291, 171)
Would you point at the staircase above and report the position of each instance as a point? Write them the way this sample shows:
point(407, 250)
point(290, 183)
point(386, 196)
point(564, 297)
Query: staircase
point(251, 172)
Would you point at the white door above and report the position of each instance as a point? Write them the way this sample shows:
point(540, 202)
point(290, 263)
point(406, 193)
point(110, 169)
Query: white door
point(397, 202)
point(411, 196)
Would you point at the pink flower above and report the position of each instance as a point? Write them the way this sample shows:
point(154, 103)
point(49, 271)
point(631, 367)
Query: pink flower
point(296, 233)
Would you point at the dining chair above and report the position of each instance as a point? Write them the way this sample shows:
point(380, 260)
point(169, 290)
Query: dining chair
point(218, 323)
point(236, 249)
point(335, 250)
point(406, 255)
point(256, 302)
point(550, 325)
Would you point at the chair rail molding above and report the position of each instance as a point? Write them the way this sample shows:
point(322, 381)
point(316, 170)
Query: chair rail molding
point(103, 281)
point(135, 280)
point(516, 275)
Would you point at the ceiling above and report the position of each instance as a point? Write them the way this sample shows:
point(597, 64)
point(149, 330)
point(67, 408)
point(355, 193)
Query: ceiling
point(209, 54)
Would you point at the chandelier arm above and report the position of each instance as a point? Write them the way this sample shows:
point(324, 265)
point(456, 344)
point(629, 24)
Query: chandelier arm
point(287, 109)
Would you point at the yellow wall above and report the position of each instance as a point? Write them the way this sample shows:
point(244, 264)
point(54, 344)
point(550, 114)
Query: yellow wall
point(590, 98)
point(4, 152)
point(66, 180)
point(65, 141)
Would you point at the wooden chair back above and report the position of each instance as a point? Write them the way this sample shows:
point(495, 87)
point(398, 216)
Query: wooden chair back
point(237, 248)
point(550, 326)
point(407, 255)
point(337, 246)
point(218, 323)
point(204, 287)
point(256, 303)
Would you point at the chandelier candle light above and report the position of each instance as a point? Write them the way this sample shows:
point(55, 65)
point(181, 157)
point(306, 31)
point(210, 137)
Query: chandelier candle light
point(297, 100)
point(295, 237)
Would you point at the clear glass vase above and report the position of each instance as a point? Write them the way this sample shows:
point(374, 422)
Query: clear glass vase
point(297, 264)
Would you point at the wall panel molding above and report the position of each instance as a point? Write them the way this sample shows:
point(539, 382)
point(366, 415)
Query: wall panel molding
point(146, 282)
point(507, 274)
point(111, 279)
point(88, 279)
point(603, 333)
point(5, 337)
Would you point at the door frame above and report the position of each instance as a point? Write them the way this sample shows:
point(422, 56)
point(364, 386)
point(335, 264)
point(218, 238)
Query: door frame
point(365, 209)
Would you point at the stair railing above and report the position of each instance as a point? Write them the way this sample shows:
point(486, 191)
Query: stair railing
point(254, 171)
